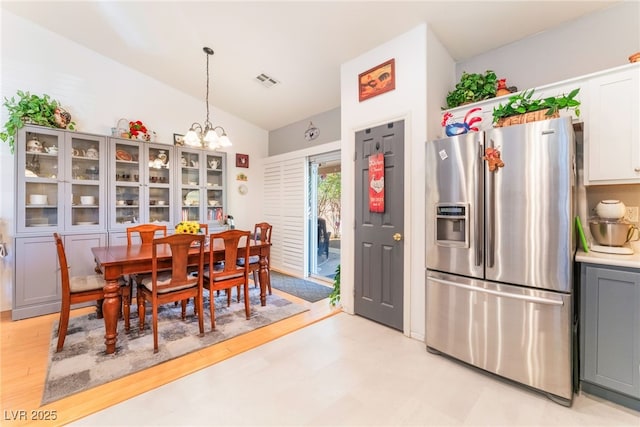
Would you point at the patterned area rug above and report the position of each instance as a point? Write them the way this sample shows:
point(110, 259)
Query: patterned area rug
point(300, 288)
point(83, 364)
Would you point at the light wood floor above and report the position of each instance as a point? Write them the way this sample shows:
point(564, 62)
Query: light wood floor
point(24, 356)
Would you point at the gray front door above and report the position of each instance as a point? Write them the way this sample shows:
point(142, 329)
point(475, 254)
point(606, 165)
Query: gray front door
point(379, 236)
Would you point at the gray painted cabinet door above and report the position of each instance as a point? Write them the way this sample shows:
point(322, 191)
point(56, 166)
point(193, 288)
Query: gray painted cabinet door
point(379, 239)
point(611, 329)
point(37, 281)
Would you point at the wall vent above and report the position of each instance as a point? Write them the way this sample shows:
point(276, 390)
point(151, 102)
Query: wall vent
point(266, 80)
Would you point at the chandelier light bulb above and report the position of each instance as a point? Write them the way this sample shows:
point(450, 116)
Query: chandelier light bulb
point(212, 138)
point(225, 141)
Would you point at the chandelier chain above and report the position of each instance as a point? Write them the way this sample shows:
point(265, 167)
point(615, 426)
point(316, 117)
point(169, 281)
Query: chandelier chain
point(207, 122)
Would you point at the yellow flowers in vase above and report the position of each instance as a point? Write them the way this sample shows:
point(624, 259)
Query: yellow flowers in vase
point(188, 227)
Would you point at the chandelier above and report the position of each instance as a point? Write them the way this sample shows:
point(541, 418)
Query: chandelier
point(207, 136)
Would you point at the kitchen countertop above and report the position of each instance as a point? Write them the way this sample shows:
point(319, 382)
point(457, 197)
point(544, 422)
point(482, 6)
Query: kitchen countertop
point(632, 261)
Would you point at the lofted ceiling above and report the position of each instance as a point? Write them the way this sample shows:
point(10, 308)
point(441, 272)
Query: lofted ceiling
point(301, 44)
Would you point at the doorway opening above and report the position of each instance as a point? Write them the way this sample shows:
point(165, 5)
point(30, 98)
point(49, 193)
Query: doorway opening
point(324, 215)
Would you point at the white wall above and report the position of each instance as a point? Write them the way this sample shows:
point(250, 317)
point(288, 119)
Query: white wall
point(408, 101)
point(592, 43)
point(291, 137)
point(97, 92)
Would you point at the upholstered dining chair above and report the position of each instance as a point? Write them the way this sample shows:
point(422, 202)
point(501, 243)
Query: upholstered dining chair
point(164, 286)
point(227, 275)
point(261, 233)
point(75, 290)
point(146, 232)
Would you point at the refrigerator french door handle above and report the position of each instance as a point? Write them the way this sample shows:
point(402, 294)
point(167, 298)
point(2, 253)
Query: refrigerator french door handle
point(490, 216)
point(525, 298)
point(478, 208)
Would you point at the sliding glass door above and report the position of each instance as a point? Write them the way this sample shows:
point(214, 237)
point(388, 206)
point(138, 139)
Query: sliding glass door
point(324, 215)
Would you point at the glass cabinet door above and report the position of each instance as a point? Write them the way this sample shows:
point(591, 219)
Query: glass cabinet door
point(61, 181)
point(190, 183)
point(215, 187)
point(201, 185)
point(159, 184)
point(85, 171)
point(127, 176)
point(40, 179)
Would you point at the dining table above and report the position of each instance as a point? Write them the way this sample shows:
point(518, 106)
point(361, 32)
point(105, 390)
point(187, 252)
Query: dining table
point(116, 261)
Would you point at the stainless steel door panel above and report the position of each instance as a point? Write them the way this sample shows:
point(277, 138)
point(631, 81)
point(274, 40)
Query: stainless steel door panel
point(454, 175)
point(529, 205)
point(518, 333)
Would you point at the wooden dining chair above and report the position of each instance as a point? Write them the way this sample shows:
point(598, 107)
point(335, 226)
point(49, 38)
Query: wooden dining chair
point(261, 233)
point(75, 290)
point(164, 286)
point(227, 275)
point(146, 232)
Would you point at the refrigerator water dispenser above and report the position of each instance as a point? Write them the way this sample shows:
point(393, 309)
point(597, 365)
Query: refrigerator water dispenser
point(452, 225)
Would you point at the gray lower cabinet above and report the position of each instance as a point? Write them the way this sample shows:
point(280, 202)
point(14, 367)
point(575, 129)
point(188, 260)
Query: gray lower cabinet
point(610, 333)
point(37, 289)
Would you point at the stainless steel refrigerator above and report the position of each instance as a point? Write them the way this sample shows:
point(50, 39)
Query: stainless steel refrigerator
point(499, 253)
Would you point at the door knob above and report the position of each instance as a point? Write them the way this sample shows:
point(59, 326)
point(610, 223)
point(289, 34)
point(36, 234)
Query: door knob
point(397, 237)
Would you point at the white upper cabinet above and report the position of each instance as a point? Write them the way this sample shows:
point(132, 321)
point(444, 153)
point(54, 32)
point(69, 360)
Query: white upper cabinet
point(61, 184)
point(612, 138)
point(141, 187)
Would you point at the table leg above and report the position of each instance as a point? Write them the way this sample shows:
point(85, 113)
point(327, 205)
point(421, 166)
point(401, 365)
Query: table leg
point(264, 279)
point(110, 310)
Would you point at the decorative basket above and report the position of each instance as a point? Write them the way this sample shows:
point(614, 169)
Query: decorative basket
point(122, 129)
point(533, 116)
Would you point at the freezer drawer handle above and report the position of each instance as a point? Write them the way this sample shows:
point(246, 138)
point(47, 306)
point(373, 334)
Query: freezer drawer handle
point(536, 300)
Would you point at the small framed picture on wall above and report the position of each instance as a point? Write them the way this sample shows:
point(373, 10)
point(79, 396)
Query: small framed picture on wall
point(377, 80)
point(242, 160)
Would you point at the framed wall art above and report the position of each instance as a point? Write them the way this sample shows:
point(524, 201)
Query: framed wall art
point(178, 139)
point(377, 80)
point(242, 160)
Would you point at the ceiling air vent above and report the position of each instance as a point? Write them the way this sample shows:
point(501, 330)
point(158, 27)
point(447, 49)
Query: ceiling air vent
point(266, 81)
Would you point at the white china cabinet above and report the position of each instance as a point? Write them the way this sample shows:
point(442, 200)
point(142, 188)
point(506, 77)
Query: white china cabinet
point(60, 187)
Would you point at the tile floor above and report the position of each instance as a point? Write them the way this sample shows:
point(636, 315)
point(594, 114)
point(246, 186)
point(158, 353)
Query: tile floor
point(347, 371)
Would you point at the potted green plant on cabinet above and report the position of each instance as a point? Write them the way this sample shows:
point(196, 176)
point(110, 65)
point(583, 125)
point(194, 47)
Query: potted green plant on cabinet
point(522, 108)
point(473, 87)
point(39, 110)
